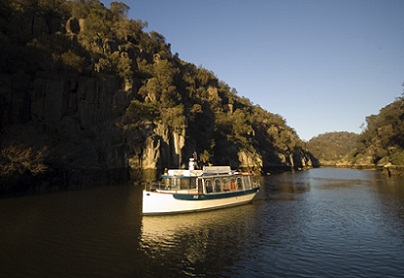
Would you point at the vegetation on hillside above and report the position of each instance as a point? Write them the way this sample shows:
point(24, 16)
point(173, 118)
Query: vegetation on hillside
point(83, 38)
point(332, 147)
point(382, 141)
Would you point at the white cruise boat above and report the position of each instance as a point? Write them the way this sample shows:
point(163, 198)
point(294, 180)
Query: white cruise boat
point(213, 187)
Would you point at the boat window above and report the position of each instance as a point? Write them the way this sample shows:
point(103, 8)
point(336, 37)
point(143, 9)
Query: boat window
point(239, 184)
point(179, 183)
point(171, 184)
point(187, 183)
point(233, 184)
point(208, 186)
point(199, 186)
point(217, 185)
point(247, 182)
point(226, 184)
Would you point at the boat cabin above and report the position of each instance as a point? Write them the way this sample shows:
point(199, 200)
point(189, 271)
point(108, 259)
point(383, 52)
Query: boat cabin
point(210, 180)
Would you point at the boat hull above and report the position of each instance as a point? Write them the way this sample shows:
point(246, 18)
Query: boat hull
point(156, 203)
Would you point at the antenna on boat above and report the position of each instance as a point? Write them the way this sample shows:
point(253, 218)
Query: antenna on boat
point(195, 159)
point(191, 164)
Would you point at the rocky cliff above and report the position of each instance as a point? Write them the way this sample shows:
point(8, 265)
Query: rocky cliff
point(87, 97)
point(79, 120)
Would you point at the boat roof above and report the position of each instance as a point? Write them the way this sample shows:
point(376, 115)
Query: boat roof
point(206, 171)
point(216, 169)
point(183, 173)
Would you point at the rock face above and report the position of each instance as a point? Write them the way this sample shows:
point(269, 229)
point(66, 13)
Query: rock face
point(74, 117)
point(73, 26)
point(80, 121)
point(249, 160)
point(68, 98)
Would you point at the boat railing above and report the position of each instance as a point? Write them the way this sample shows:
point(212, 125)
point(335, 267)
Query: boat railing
point(153, 186)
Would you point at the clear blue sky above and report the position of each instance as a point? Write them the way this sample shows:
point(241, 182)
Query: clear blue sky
point(322, 65)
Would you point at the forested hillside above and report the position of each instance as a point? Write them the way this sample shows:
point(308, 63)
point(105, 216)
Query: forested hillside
point(84, 89)
point(380, 145)
point(330, 148)
point(382, 142)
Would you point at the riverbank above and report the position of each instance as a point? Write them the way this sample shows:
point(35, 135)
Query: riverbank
point(393, 170)
point(387, 169)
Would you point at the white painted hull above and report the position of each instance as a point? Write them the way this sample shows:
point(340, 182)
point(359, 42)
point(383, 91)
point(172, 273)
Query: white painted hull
point(166, 203)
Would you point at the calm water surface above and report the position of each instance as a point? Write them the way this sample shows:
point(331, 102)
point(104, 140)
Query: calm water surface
point(317, 223)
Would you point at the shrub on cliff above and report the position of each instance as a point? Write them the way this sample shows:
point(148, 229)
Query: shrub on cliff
point(19, 162)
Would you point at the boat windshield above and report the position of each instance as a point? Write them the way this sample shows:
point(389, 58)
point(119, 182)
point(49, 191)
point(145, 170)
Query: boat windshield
point(179, 183)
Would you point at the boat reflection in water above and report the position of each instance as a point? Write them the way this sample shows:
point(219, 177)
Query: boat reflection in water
point(193, 243)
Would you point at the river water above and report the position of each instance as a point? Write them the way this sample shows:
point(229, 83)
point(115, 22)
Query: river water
point(316, 223)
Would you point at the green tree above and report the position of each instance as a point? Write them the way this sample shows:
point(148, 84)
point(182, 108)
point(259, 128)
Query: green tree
point(119, 11)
